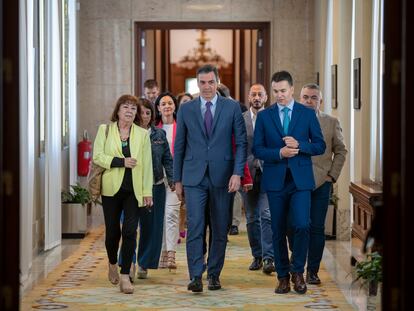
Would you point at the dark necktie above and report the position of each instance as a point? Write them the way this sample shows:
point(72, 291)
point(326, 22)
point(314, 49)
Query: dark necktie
point(208, 118)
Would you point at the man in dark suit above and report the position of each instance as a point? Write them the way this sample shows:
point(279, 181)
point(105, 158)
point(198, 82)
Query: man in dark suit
point(207, 172)
point(286, 136)
point(258, 222)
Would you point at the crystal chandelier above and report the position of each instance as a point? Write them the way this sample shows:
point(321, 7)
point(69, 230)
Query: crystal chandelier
point(201, 55)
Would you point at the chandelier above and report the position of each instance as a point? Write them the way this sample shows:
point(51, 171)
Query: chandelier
point(202, 55)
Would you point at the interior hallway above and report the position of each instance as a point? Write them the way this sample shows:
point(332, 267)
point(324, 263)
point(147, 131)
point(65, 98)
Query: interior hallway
point(336, 261)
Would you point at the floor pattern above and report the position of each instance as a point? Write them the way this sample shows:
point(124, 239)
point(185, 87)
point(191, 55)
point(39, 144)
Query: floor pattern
point(80, 283)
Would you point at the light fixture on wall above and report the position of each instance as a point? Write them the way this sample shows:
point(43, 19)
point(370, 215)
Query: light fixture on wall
point(202, 55)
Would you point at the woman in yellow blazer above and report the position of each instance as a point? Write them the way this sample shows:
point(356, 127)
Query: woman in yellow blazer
point(126, 183)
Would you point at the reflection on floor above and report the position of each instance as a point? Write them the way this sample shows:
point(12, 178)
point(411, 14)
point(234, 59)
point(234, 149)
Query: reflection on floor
point(336, 260)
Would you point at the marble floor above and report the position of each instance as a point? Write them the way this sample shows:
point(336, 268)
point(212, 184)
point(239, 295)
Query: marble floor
point(336, 259)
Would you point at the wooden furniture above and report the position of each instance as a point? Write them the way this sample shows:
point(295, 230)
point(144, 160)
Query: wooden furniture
point(365, 197)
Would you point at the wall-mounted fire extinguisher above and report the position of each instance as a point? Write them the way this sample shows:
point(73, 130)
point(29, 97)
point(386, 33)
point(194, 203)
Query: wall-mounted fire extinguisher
point(84, 155)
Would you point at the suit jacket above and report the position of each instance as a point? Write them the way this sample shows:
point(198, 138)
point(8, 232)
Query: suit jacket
point(268, 140)
point(106, 148)
point(195, 152)
point(251, 160)
point(331, 162)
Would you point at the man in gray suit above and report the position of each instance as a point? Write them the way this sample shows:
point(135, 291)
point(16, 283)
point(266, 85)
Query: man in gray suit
point(258, 222)
point(326, 170)
point(207, 171)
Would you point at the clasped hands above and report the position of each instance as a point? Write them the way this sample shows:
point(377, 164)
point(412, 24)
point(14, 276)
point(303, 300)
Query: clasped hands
point(291, 149)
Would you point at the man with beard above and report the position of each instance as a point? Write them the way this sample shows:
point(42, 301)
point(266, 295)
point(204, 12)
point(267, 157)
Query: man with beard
point(258, 221)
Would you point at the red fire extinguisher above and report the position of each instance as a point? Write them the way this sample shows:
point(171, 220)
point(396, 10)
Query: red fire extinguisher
point(84, 155)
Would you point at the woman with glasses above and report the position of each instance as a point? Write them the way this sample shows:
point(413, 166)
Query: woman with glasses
point(151, 222)
point(125, 153)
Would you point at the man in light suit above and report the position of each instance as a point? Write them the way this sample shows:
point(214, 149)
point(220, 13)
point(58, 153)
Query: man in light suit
point(259, 230)
point(207, 172)
point(326, 170)
point(286, 136)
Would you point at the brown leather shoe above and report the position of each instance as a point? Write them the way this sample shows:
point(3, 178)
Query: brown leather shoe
point(299, 284)
point(284, 286)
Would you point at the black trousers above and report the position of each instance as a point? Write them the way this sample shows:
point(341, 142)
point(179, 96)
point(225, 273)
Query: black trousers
point(112, 208)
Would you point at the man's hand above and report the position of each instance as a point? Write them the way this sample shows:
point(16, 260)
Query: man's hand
point(179, 191)
point(148, 201)
point(287, 152)
point(291, 142)
point(130, 162)
point(234, 183)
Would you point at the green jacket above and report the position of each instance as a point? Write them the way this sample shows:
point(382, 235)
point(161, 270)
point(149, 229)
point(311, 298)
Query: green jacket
point(140, 146)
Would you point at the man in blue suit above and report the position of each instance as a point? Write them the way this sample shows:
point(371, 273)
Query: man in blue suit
point(286, 135)
point(207, 172)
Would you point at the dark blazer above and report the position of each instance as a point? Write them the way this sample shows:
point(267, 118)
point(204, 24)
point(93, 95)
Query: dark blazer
point(251, 160)
point(194, 151)
point(304, 127)
point(161, 155)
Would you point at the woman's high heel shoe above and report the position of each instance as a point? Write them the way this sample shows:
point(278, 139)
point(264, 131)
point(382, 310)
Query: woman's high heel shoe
point(113, 275)
point(163, 260)
point(125, 285)
point(171, 261)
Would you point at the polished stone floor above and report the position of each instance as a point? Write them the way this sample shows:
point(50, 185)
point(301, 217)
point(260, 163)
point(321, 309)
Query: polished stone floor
point(336, 259)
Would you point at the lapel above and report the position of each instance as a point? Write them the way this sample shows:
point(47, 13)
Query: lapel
point(133, 147)
point(249, 123)
point(274, 110)
point(296, 113)
point(114, 132)
point(197, 112)
point(219, 107)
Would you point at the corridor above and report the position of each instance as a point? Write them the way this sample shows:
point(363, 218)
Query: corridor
point(73, 277)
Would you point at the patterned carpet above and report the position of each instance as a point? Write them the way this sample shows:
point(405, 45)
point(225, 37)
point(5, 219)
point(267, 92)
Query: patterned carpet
point(80, 283)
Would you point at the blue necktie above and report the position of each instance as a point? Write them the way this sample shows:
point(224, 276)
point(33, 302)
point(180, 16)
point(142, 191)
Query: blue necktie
point(286, 120)
point(208, 118)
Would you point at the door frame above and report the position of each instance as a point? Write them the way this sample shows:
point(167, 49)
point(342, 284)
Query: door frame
point(263, 27)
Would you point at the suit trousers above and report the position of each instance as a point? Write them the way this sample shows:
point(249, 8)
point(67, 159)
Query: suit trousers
point(258, 222)
point(319, 207)
point(295, 203)
point(198, 198)
point(237, 210)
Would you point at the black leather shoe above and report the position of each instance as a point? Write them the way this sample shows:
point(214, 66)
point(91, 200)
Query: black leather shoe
point(213, 282)
point(234, 230)
point(299, 284)
point(196, 285)
point(284, 286)
point(268, 266)
point(256, 264)
point(312, 278)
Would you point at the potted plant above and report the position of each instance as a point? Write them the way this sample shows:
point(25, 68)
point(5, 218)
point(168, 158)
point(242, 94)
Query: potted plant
point(74, 211)
point(370, 271)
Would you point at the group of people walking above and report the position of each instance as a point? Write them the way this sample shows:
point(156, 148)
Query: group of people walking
point(159, 153)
